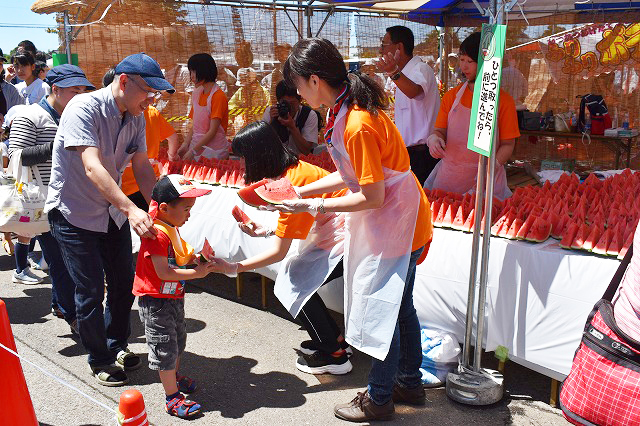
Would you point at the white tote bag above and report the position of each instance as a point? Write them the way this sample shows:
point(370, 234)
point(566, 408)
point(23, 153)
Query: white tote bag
point(22, 200)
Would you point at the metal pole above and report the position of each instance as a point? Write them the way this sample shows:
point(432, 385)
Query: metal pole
point(484, 264)
point(473, 272)
point(300, 21)
point(67, 36)
point(309, 13)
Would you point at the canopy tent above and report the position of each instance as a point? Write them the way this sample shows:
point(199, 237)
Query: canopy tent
point(466, 12)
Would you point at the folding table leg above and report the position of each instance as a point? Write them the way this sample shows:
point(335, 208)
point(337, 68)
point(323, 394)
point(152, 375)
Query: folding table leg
point(239, 285)
point(555, 385)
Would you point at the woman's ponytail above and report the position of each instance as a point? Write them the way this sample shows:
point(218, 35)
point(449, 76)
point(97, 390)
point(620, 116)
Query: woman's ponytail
point(366, 92)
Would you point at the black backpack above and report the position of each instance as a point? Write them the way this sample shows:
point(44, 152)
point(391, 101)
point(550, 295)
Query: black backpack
point(596, 106)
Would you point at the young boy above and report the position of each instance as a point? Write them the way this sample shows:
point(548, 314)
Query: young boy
point(160, 271)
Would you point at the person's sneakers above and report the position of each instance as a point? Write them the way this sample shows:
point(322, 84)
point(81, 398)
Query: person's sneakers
point(308, 347)
point(128, 361)
point(25, 277)
point(109, 375)
point(363, 409)
point(322, 363)
point(40, 265)
point(412, 396)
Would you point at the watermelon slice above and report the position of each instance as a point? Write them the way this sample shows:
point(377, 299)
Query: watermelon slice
point(514, 228)
point(524, 230)
point(603, 242)
point(277, 191)
point(592, 238)
point(539, 231)
point(207, 253)
point(449, 215)
point(458, 222)
point(248, 195)
point(500, 223)
point(626, 246)
point(470, 222)
point(240, 216)
point(224, 179)
point(569, 236)
point(581, 237)
point(441, 213)
point(614, 247)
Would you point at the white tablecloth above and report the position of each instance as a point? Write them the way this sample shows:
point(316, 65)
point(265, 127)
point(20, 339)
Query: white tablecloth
point(538, 299)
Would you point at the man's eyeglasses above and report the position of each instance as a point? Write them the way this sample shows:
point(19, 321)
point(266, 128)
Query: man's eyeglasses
point(155, 95)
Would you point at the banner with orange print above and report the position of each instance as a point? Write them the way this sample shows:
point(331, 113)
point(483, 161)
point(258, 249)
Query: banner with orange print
point(592, 49)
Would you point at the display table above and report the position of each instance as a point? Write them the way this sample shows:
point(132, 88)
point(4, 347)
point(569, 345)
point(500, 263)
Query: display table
point(618, 145)
point(538, 299)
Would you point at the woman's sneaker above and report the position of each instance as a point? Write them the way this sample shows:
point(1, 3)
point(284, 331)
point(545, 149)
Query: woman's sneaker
point(25, 277)
point(308, 347)
point(323, 363)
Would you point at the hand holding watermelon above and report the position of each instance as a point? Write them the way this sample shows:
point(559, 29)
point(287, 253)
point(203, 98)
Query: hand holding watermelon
point(306, 205)
point(207, 253)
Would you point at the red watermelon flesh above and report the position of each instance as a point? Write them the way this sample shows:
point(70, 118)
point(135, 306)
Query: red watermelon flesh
point(524, 230)
point(441, 213)
point(449, 217)
point(232, 178)
point(557, 231)
point(569, 236)
point(199, 177)
point(592, 238)
point(500, 223)
point(504, 230)
point(240, 216)
point(458, 222)
point(435, 209)
point(514, 228)
point(603, 242)
point(249, 196)
point(207, 253)
point(581, 237)
point(617, 240)
point(626, 246)
point(470, 222)
point(277, 191)
point(539, 231)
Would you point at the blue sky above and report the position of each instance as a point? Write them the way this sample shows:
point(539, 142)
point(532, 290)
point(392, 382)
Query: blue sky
point(14, 15)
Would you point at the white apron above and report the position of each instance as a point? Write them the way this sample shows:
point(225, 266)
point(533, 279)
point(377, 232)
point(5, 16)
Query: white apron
point(310, 262)
point(458, 170)
point(218, 147)
point(376, 255)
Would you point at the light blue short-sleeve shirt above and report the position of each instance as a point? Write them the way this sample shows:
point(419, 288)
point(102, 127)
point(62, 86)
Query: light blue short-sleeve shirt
point(92, 119)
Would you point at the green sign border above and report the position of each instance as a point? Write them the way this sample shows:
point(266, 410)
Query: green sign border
point(496, 49)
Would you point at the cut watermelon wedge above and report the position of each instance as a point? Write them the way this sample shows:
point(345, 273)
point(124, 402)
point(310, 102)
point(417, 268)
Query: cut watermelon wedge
point(512, 233)
point(603, 242)
point(240, 216)
point(249, 196)
point(524, 230)
point(207, 253)
point(569, 236)
point(277, 191)
point(540, 231)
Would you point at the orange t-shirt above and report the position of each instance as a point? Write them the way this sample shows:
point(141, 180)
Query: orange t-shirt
point(157, 129)
point(298, 225)
point(507, 116)
point(374, 142)
point(219, 107)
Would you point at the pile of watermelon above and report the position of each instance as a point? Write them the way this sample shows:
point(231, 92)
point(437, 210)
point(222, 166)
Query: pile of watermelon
point(596, 216)
point(229, 173)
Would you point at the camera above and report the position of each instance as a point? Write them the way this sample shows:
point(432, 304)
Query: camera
point(283, 109)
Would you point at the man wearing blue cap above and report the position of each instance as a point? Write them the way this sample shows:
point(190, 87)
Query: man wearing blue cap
point(99, 134)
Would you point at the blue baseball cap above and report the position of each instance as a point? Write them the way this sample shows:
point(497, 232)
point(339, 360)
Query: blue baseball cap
point(68, 75)
point(147, 68)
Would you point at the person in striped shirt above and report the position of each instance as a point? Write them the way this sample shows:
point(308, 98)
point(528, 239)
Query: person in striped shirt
point(33, 132)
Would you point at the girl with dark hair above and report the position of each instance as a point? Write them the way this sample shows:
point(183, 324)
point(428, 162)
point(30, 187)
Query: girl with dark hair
point(388, 224)
point(31, 88)
point(458, 169)
point(209, 112)
point(314, 243)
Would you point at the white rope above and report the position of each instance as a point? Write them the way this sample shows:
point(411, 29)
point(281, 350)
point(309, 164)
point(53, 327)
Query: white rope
point(70, 386)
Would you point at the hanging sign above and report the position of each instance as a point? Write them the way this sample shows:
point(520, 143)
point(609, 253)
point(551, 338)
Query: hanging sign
point(486, 89)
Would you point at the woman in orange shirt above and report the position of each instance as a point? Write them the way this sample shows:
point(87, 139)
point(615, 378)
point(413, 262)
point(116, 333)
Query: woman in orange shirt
point(458, 169)
point(315, 244)
point(388, 224)
point(209, 112)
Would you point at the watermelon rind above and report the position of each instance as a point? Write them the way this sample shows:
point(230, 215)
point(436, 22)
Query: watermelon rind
point(276, 192)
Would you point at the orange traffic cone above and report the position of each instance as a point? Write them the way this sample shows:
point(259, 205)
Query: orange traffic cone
point(131, 410)
point(15, 393)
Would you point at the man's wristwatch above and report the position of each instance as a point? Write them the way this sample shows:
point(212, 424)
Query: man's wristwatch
point(395, 76)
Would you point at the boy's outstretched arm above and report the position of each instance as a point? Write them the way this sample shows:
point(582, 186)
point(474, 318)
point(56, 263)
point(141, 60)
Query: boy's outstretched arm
point(165, 273)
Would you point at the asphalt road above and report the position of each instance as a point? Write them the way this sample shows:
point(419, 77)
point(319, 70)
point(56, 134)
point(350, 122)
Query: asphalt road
point(243, 358)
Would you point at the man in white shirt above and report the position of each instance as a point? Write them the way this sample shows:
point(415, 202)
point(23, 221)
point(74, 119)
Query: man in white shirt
point(416, 96)
point(513, 81)
point(296, 124)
